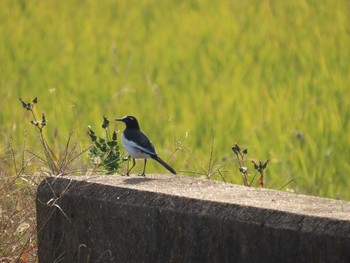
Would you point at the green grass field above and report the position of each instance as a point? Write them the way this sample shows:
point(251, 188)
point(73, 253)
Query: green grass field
point(272, 76)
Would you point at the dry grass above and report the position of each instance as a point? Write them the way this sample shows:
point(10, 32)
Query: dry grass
point(17, 214)
point(21, 171)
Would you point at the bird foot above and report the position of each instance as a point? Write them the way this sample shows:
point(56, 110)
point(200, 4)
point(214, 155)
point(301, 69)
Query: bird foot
point(142, 174)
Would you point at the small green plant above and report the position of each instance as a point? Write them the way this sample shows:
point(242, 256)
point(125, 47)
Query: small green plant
point(40, 124)
point(259, 167)
point(240, 154)
point(105, 153)
point(57, 164)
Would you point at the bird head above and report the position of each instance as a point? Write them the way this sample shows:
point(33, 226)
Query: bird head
point(130, 122)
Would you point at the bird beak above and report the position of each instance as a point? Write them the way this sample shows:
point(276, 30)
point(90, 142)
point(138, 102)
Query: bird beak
point(119, 119)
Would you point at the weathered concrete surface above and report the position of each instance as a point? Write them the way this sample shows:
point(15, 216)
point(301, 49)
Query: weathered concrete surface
point(166, 218)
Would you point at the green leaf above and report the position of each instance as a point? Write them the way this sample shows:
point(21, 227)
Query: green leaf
point(43, 120)
point(265, 164)
point(92, 135)
point(111, 144)
point(114, 136)
point(256, 167)
point(105, 123)
point(25, 105)
point(90, 130)
point(94, 151)
point(235, 149)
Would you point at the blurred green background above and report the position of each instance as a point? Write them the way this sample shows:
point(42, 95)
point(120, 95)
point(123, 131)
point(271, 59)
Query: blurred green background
point(272, 76)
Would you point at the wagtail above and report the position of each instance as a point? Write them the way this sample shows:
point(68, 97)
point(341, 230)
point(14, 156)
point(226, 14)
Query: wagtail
point(138, 145)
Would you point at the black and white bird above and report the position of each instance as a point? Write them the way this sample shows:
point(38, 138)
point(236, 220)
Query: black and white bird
point(138, 145)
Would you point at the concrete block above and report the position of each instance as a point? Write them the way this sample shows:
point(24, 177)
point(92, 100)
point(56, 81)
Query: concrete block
point(169, 218)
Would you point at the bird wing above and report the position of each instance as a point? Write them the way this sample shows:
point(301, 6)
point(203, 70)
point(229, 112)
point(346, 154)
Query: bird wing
point(143, 143)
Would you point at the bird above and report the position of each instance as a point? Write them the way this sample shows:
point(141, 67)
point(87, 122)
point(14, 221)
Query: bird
point(138, 146)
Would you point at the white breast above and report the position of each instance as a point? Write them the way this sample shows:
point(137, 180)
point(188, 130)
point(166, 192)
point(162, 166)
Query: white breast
point(133, 149)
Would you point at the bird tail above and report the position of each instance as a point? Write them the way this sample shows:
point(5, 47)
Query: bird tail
point(167, 166)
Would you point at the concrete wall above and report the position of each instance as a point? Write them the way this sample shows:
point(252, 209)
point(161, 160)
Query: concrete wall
point(166, 218)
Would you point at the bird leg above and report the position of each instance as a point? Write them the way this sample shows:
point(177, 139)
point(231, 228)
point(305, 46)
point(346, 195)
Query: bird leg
point(133, 164)
point(144, 169)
